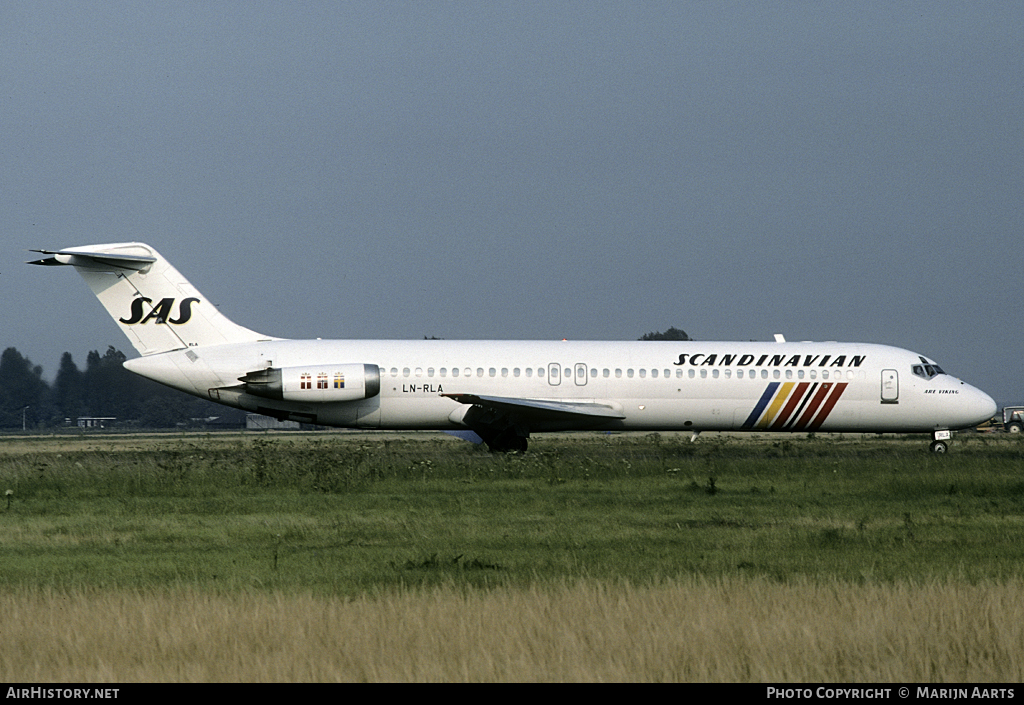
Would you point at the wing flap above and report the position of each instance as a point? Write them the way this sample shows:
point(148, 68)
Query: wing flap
point(542, 407)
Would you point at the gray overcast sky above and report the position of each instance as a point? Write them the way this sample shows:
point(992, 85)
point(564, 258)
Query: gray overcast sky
point(590, 170)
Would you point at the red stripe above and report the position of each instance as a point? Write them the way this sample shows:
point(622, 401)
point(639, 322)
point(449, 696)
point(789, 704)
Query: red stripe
point(794, 400)
point(827, 408)
point(808, 414)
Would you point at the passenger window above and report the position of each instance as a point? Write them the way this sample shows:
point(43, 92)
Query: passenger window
point(691, 373)
point(455, 372)
point(491, 372)
point(618, 373)
point(654, 374)
point(529, 372)
point(444, 371)
point(515, 371)
point(643, 373)
point(703, 374)
point(739, 374)
point(714, 373)
point(405, 372)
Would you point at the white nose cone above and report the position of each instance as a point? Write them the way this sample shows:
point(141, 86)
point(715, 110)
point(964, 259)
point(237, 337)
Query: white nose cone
point(983, 407)
point(967, 406)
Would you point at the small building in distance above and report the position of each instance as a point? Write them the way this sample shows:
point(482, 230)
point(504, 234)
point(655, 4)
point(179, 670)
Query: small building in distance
point(96, 421)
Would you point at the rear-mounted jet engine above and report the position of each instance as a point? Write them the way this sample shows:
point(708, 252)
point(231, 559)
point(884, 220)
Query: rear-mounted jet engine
point(315, 383)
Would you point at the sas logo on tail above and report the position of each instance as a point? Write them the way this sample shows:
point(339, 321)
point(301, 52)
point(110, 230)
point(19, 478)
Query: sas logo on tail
point(161, 312)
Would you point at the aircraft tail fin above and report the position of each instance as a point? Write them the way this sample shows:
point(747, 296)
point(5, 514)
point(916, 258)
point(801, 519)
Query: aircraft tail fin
point(154, 306)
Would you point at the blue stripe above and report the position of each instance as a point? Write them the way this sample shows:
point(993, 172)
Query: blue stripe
point(765, 398)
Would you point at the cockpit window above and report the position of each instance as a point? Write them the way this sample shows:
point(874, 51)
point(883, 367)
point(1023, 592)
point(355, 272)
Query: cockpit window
point(926, 370)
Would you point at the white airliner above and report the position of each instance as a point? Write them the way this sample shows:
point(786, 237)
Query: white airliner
point(506, 390)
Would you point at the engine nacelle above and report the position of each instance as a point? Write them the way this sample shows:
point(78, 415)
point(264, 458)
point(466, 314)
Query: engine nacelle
point(315, 383)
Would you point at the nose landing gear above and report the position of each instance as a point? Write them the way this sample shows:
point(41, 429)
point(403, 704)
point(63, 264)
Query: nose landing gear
point(940, 444)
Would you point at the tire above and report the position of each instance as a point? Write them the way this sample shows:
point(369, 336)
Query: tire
point(1014, 427)
point(938, 447)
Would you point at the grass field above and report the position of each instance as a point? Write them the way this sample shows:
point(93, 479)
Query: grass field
point(590, 558)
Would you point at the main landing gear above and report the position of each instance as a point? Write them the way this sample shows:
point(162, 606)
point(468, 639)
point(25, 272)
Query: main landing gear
point(508, 441)
point(940, 444)
point(501, 432)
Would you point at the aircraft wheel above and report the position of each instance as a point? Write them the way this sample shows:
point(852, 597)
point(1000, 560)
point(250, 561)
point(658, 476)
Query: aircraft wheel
point(939, 447)
point(1014, 428)
point(508, 442)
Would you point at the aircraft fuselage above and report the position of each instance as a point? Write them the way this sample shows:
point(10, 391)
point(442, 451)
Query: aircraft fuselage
point(699, 386)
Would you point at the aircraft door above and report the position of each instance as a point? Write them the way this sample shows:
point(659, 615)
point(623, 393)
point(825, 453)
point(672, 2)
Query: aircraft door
point(554, 374)
point(581, 374)
point(890, 387)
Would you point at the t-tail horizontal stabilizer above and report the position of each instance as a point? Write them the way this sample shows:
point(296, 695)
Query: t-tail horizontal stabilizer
point(83, 258)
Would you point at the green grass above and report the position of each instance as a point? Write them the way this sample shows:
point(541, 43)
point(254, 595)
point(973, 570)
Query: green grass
point(355, 513)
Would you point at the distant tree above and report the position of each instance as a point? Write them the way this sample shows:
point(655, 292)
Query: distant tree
point(21, 385)
point(67, 389)
point(672, 333)
point(110, 389)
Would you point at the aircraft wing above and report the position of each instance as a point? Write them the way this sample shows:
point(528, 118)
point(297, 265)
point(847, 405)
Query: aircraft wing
point(541, 408)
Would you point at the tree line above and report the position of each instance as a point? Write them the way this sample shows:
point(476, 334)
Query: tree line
point(103, 389)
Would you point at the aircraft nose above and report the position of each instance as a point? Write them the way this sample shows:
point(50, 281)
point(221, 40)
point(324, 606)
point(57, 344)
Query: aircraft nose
point(980, 406)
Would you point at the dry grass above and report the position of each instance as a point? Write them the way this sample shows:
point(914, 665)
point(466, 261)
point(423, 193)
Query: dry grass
point(683, 630)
